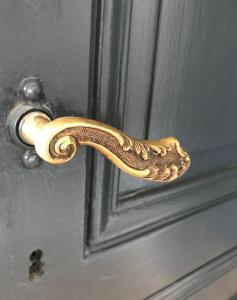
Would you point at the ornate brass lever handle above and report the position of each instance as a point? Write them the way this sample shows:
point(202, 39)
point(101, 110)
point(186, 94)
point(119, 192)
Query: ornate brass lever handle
point(56, 142)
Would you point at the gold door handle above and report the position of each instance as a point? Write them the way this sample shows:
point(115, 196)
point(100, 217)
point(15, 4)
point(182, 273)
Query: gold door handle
point(56, 142)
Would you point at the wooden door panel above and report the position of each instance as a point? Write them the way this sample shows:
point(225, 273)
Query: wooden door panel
point(223, 288)
point(165, 75)
point(194, 88)
point(42, 207)
point(140, 267)
point(154, 69)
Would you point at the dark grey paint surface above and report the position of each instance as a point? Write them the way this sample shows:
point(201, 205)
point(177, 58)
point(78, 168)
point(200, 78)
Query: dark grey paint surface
point(152, 68)
point(223, 288)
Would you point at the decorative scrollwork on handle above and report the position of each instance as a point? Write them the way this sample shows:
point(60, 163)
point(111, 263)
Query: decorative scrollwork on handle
point(57, 141)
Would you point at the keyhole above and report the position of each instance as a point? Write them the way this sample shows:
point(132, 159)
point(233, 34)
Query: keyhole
point(36, 268)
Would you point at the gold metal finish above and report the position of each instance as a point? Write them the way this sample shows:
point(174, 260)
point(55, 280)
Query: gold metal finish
point(56, 142)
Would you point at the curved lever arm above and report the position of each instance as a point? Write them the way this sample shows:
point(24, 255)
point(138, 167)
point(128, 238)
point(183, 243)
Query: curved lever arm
point(56, 142)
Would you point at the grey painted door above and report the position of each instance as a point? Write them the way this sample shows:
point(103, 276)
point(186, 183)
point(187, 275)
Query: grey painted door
point(154, 69)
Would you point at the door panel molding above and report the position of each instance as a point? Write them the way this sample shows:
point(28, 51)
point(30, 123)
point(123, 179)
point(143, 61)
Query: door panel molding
point(116, 214)
point(199, 278)
point(157, 210)
point(114, 67)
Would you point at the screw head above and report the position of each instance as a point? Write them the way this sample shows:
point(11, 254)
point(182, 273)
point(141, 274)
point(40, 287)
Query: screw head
point(31, 160)
point(31, 89)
